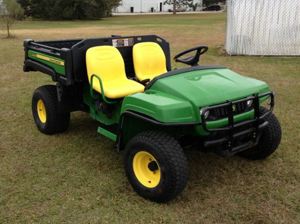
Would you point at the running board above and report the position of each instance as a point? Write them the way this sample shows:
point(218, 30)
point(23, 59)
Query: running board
point(107, 134)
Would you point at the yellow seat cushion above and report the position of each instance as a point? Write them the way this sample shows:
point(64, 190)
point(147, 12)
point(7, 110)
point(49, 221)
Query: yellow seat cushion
point(106, 62)
point(149, 60)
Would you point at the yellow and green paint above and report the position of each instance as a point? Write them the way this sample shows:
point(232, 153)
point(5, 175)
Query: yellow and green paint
point(56, 63)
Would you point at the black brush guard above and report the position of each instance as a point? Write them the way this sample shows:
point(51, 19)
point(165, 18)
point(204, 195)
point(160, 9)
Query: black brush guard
point(227, 138)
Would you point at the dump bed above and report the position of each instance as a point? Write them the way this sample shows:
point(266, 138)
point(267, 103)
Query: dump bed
point(64, 60)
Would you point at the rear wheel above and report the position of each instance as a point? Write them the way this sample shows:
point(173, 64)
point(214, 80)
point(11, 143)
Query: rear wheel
point(156, 166)
point(269, 140)
point(45, 111)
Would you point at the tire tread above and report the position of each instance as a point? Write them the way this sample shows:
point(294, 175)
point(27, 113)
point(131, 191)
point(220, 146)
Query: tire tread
point(170, 148)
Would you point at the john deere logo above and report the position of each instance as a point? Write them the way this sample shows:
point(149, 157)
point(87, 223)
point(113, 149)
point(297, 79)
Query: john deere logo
point(233, 107)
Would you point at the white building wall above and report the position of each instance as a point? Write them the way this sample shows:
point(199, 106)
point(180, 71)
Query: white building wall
point(141, 6)
point(145, 6)
point(263, 27)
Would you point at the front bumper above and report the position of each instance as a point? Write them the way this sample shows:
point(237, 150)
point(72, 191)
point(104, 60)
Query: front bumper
point(237, 137)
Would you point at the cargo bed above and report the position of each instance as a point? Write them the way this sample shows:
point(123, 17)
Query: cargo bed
point(64, 60)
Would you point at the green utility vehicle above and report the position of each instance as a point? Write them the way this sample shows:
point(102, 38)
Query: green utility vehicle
point(151, 112)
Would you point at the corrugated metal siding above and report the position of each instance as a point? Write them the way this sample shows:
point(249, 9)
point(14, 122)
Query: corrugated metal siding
point(263, 27)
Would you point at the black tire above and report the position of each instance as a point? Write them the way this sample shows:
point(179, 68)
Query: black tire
point(55, 121)
point(269, 140)
point(171, 161)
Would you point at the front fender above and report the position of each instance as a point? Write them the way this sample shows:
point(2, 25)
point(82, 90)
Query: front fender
point(160, 106)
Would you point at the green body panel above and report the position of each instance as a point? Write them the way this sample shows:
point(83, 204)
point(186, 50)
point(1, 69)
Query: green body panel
point(56, 63)
point(160, 106)
point(179, 98)
point(96, 113)
point(107, 134)
point(209, 87)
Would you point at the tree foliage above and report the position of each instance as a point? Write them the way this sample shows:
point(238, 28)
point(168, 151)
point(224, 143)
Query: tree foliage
point(68, 9)
point(10, 11)
point(178, 4)
point(212, 2)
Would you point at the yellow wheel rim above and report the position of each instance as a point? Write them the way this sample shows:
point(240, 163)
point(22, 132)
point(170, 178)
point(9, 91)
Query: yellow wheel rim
point(146, 169)
point(41, 110)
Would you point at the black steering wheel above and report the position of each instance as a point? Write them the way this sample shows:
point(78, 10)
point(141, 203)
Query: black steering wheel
point(192, 60)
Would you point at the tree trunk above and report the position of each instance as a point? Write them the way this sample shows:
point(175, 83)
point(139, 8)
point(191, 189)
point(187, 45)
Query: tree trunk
point(174, 7)
point(7, 28)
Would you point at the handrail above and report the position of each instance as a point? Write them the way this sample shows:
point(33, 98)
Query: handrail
point(102, 90)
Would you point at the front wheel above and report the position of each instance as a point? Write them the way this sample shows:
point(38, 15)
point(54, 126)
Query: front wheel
point(156, 166)
point(269, 141)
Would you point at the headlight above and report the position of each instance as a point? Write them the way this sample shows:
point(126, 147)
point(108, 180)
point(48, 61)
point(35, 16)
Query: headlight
point(267, 103)
point(249, 103)
point(206, 114)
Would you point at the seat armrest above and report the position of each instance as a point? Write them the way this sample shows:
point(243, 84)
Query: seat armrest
point(102, 90)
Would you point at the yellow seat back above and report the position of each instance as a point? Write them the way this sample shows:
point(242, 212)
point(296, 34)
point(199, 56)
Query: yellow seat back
point(149, 60)
point(107, 63)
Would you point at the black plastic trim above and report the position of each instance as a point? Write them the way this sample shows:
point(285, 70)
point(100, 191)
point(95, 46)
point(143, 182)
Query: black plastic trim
point(30, 65)
point(192, 60)
point(147, 119)
point(73, 53)
point(256, 134)
point(153, 121)
point(229, 106)
point(230, 133)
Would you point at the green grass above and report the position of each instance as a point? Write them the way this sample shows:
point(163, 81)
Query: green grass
point(143, 20)
point(77, 177)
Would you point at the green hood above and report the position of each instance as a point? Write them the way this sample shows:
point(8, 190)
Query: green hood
point(177, 96)
point(209, 86)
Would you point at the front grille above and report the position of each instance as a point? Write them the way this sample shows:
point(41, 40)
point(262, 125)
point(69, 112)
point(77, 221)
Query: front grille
point(231, 108)
point(222, 112)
